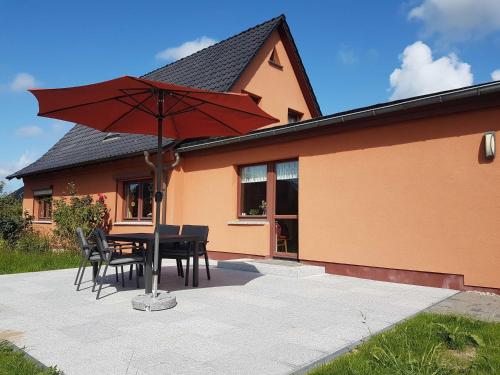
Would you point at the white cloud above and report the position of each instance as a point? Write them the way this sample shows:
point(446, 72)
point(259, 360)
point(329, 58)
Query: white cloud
point(29, 131)
point(185, 49)
point(60, 126)
point(458, 19)
point(420, 74)
point(8, 168)
point(22, 82)
point(495, 75)
point(347, 56)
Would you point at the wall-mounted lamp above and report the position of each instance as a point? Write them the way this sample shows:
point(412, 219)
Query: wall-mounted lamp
point(489, 145)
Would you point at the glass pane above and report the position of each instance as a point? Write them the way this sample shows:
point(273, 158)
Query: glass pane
point(132, 199)
point(254, 173)
point(287, 188)
point(147, 200)
point(287, 236)
point(253, 198)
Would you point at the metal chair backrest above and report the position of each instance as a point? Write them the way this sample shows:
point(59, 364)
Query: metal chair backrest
point(196, 230)
point(82, 241)
point(169, 229)
point(102, 245)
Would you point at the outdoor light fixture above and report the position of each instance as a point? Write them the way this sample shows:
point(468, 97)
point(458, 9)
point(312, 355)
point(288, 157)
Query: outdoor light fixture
point(489, 145)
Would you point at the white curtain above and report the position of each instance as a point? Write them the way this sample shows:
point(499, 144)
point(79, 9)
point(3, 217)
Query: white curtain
point(288, 170)
point(254, 173)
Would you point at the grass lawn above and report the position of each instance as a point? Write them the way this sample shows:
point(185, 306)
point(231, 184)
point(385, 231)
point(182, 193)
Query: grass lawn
point(426, 344)
point(14, 362)
point(12, 261)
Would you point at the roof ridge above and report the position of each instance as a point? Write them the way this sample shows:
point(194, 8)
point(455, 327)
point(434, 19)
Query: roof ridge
point(281, 16)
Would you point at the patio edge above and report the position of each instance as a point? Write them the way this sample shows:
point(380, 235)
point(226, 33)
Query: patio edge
point(330, 357)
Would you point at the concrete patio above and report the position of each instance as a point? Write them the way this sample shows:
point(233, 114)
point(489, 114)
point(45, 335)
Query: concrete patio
point(238, 323)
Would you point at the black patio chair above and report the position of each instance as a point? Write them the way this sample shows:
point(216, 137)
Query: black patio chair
point(89, 254)
point(112, 256)
point(165, 248)
point(186, 251)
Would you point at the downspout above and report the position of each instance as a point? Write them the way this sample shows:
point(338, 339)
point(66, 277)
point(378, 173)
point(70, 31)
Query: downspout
point(167, 169)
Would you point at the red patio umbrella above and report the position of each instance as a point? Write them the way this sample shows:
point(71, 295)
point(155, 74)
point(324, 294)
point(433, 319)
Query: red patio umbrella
point(140, 106)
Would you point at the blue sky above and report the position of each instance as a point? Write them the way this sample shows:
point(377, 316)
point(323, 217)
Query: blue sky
point(352, 50)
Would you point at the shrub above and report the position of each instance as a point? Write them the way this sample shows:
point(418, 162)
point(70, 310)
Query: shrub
point(33, 242)
point(13, 222)
point(73, 211)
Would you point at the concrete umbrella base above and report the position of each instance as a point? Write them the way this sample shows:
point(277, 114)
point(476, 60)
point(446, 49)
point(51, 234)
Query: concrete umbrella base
point(146, 302)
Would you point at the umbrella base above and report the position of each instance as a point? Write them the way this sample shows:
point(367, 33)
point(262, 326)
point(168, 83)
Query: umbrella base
point(146, 302)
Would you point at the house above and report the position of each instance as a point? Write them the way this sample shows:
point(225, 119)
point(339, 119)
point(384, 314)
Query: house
point(400, 191)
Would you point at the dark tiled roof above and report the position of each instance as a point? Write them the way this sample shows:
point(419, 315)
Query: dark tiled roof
point(216, 68)
point(82, 145)
point(18, 194)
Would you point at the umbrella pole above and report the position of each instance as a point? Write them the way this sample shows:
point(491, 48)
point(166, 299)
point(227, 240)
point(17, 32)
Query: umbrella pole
point(159, 193)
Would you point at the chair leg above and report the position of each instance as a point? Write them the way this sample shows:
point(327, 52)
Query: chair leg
point(123, 278)
point(137, 272)
point(101, 281)
point(177, 261)
point(180, 267)
point(159, 270)
point(116, 273)
point(78, 273)
point(81, 275)
point(207, 265)
point(186, 282)
point(97, 276)
point(130, 273)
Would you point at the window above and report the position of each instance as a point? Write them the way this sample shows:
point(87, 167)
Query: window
point(274, 59)
point(287, 188)
point(253, 190)
point(44, 207)
point(138, 200)
point(293, 116)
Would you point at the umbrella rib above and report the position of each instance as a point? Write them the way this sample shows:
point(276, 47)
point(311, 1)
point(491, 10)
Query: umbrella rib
point(216, 119)
point(233, 109)
point(143, 107)
point(126, 113)
point(138, 108)
point(167, 113)
point(88, 103)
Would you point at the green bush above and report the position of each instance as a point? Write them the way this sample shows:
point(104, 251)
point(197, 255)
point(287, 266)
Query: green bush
point(73, 211)
point(33, 242)
point(13, 222)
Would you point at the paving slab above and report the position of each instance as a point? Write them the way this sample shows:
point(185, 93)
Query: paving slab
point(273, 267)
point(477, 305)
point(237, 323)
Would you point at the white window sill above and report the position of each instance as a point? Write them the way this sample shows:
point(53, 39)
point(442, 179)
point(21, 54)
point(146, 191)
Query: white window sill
point(42, 221)
point(136, 223)
point(248, 222)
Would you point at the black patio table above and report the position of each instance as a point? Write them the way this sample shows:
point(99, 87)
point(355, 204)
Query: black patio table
point(148, 239)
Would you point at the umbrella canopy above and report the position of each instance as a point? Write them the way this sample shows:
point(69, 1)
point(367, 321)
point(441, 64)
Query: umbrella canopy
point(130, 105)
point(139, 106)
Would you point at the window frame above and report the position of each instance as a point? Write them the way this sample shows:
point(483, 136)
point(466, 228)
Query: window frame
point(240, 193)
point(43, 203)
point(295, 113)
point(270, 191)
point(140, 202)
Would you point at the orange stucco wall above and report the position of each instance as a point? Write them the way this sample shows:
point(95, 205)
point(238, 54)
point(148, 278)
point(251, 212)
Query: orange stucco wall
point(106, 178)
point(416, 195)
point(278, 88)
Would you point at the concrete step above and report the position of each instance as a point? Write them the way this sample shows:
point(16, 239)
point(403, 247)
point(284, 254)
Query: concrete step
point(272, 267)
